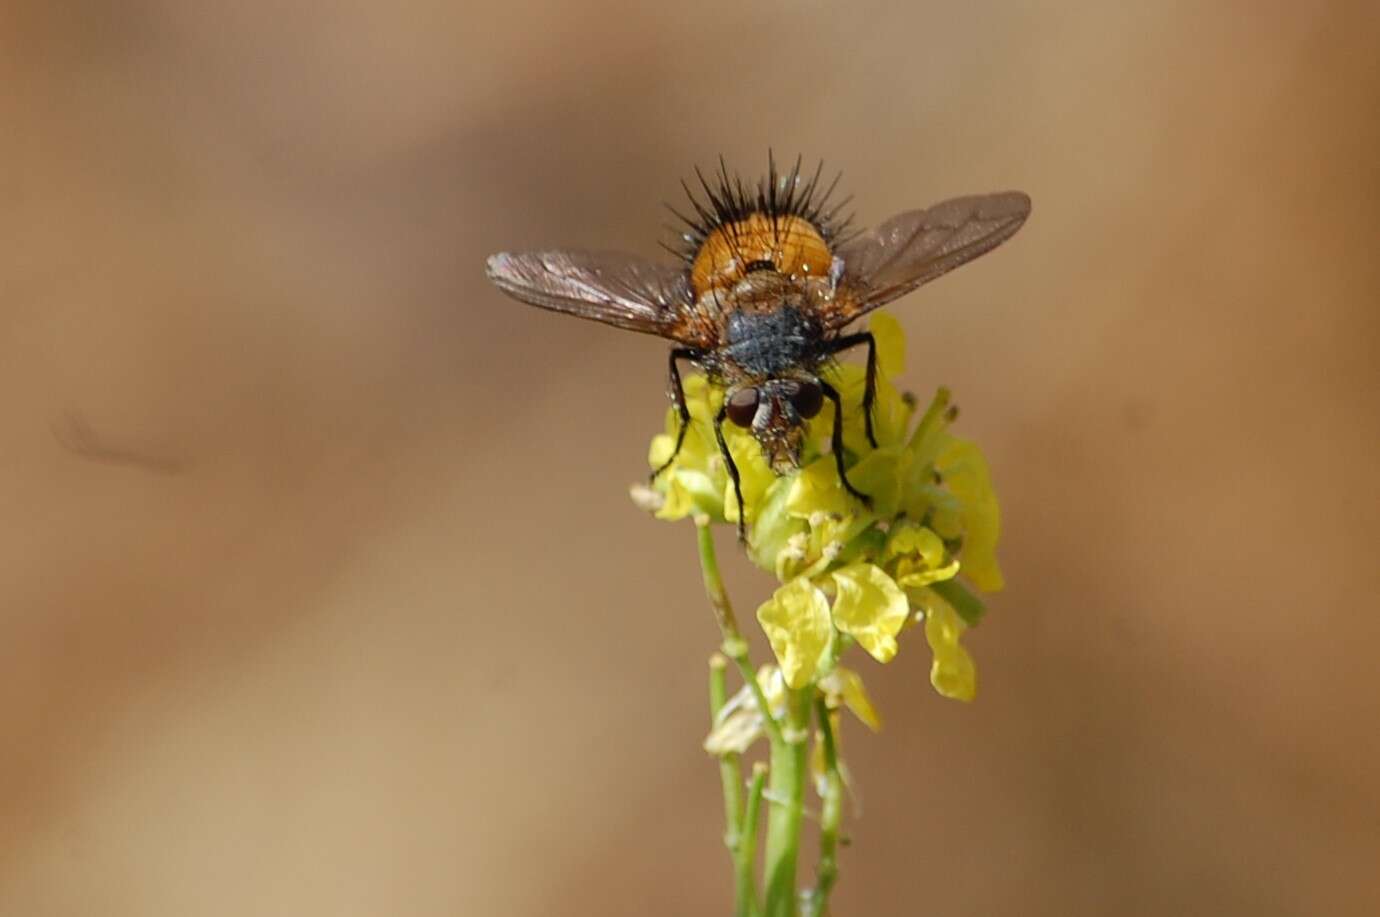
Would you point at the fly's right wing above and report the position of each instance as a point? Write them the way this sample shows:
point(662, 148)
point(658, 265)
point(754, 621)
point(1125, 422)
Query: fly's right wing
point(915, 247)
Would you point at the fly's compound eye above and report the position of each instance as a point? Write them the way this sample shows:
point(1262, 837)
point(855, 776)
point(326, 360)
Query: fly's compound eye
point(808, 399)
point(741, 406)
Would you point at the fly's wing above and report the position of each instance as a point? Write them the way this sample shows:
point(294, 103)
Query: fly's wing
point(915, 247)
point(616, 289)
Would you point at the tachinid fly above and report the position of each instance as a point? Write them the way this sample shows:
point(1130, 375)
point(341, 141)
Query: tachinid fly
point(769, 280)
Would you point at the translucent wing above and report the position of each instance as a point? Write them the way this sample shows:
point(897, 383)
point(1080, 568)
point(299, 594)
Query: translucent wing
point(616, 289)
point(915, 247)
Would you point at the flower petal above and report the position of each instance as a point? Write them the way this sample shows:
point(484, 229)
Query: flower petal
point(965, 473)
point(926, 577)
point(918, 555)
point(890, 414)
point(879, 475)
point(891, 344)
point(952, 673)
point(735, 733)
point(913, 539)
point(660, 451)
point(817, 489)
point(688, 493)
point(870, 607)
point(845, 686)
point(773, 527)
point(796, 621)
point(754, 475)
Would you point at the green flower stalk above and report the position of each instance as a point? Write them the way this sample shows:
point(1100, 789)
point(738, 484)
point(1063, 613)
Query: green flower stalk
point(849, 575)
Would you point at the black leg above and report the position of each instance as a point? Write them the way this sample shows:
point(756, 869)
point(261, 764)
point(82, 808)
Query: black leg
point(837, 444)
point(870, 389)
point(732, 471)
point(677, 393)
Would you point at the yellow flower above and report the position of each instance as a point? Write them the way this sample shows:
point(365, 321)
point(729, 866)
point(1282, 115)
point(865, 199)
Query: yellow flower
point(850, 573)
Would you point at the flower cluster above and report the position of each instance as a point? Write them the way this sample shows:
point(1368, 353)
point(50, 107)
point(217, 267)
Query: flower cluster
point(850, 573)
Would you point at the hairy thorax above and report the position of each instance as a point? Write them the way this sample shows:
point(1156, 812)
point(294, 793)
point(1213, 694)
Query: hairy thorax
point(767, 326)
point(763, 284)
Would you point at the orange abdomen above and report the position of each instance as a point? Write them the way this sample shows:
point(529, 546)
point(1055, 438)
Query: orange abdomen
point(791, 244)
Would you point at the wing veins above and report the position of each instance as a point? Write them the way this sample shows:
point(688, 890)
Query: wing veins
point(609, 287)
point(913, 248)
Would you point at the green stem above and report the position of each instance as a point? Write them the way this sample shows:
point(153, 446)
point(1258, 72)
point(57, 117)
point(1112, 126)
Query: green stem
point(786, 795)
point(714, 584)
point(741, 833)
point(746, 856)
point(831, 813)
point(734, 646)
point(729, 773)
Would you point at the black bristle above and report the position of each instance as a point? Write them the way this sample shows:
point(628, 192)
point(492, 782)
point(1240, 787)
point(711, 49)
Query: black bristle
point(727, 201)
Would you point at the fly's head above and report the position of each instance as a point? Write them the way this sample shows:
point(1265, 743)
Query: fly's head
point(775, 412)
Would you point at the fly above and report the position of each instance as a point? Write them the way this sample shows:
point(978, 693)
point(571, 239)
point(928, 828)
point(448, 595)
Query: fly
point(768, 281)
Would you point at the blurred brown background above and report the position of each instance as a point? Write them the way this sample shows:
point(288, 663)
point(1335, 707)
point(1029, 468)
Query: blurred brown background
point(346, 611)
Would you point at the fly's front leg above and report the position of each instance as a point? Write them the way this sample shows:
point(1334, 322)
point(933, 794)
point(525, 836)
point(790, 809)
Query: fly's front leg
point(837, 443)
point(677, 392)
point(732, 471)
point(870, 388)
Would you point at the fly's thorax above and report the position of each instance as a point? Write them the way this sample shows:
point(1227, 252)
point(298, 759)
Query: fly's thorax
point(790, 245)
point(772, 343)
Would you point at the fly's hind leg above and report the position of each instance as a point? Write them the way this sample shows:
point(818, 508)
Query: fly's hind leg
point(732, 471)
point(870, 389)
point(677, 393)
point(837, 442)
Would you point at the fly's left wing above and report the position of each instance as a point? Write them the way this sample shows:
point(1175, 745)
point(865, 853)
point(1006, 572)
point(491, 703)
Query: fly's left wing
point(915, 247)
point(620, 290)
